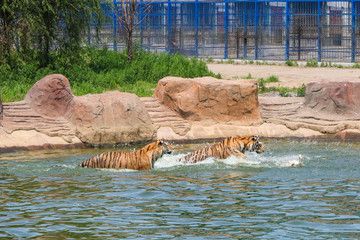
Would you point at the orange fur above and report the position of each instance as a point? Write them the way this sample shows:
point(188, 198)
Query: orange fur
point(229, 146)
point(143, 159)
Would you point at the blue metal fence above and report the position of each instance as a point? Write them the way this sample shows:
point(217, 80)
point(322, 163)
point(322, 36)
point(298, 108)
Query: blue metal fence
point(250, 29)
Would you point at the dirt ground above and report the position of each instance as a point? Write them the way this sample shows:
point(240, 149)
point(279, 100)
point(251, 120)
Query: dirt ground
point(288, 76)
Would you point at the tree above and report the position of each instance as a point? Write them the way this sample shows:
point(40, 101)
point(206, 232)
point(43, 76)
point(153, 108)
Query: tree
point(7, 21)
point(70, 18)
point(128, 14)
point(45, 25)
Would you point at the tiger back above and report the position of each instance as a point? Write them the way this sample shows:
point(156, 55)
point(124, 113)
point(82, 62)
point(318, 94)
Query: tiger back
point(143, 159)
point(235, 145)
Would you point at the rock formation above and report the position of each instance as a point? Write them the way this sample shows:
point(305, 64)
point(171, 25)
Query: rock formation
point(330, 109)
point(210, 98)
point(182, 109)
point(336, 98)
point(110, 118)
point(50, 96)
point(51, 116)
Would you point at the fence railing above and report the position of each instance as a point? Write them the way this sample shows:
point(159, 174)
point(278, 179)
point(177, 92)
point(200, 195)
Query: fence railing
point(257, 29)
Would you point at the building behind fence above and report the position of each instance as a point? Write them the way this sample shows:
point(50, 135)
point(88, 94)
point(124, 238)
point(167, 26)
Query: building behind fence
point(257, 29)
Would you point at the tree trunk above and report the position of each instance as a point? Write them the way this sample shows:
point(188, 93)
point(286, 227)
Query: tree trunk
point(130, 46)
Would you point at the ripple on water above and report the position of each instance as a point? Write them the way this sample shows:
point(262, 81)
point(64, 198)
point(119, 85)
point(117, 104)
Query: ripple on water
point(47, 196)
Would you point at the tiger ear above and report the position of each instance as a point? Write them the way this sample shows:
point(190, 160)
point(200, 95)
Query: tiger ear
point(161, 142)
point(255, 138)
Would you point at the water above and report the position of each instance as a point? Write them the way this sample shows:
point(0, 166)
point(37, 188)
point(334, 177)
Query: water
point(43, 195)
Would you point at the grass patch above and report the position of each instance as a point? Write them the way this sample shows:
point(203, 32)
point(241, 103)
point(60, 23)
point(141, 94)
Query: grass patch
point(96, 71)
point(248, 77)
point(311, 63)
point(283, 91)
point(272, 79)
point(262, 83)
point(291, 63)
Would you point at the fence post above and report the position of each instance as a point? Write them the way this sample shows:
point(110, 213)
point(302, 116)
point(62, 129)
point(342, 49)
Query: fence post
point(256, 29)
point(319, 31)
point(353, 31)
point(226, 30)
point(114, 23)
point(196, 26)
point(169, 26)
point(141, 24)
point(245, 31)
point(287, 31)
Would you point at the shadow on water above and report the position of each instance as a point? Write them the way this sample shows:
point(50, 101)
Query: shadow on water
point(44, 195)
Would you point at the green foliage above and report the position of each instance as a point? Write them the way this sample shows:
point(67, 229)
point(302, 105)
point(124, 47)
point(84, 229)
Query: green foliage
point(326, 64)
point(291, 63)
point(263, 62)
point(356, 65)
point(262, 87)
point(272, 79)
point(96, 71)
point(283, 91)
point(248, 76)
point(209, 60)
point(262, 82)
point(230, 61)
point(301, 91)
point(31, 28)
point(311, 63)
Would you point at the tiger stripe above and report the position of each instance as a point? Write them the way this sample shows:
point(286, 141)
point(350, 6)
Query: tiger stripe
point(235, 145)
point(143, 159)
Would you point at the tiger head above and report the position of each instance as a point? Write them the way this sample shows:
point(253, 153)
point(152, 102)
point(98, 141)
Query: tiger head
point(254, 145)
point(157, 149)
point(166, 147)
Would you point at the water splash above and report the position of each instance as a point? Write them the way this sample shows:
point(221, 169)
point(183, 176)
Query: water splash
point(252, 160)
point(168, 161)
point(288, 160)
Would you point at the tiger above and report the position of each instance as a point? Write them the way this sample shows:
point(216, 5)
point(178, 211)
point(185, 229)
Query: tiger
point(234, 145)
point(143, 159)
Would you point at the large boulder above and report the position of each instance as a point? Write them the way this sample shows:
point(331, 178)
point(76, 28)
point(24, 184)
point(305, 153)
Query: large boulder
point(210, 98)
point(110, 118)
point(107, 118)
point(334, 97)
point(50, 96)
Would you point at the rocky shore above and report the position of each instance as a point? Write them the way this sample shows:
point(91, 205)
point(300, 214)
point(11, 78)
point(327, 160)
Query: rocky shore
point(50, 116)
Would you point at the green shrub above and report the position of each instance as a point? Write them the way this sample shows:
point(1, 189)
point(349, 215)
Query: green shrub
point(291, 63)
point(272, 79)
point(311, 63)
point(248, 76)
point(209, 60)
point(261, 83)
point(300, 92)
point(284, 92)
point(94, 71)
point(356, 65)
point(230, 61)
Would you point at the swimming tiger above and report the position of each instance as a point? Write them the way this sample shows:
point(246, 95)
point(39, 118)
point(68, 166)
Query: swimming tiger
point(235, 145)
point(143, 159)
